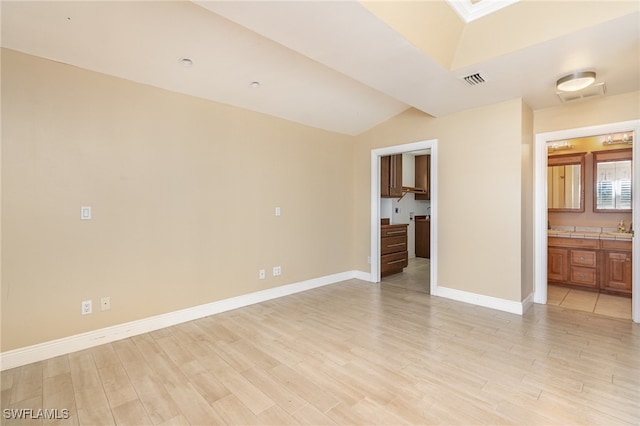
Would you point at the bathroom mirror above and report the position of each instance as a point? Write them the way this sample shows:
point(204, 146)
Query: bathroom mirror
point(612, 181)
point(565, 183)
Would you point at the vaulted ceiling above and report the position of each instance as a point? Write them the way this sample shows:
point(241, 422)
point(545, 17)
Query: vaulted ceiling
point(343, 66)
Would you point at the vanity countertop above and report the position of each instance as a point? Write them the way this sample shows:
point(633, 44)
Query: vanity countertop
point(589, 233)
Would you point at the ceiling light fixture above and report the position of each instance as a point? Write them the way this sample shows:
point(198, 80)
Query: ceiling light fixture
point(255, 84)
point(186, 62)
point(576, 81)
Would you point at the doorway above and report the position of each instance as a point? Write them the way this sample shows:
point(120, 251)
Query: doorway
point(541, 216)
point(376, 154)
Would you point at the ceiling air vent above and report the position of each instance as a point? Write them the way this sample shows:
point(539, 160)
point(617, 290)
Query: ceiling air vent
point(473, 79)
point(594, 90)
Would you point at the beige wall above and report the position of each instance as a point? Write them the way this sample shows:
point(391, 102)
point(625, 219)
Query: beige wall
point(183, 193)
point(479, 189)
point(527, 200)
point(593, 112)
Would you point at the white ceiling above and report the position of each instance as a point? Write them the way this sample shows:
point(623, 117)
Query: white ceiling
point(326, 64)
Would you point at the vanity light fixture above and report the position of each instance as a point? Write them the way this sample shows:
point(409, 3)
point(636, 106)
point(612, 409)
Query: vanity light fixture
point(626, 139)
point(557, 146)
point(576, 81)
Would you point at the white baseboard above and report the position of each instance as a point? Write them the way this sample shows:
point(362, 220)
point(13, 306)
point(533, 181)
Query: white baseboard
point(527, 303)
point(364, 276)
point(66, 345)
point(486, 301)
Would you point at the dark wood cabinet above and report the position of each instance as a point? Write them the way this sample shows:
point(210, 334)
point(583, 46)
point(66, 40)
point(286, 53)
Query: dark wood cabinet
point(422, 174)
point(394, 256)
point(391, 176)
point(423, 237)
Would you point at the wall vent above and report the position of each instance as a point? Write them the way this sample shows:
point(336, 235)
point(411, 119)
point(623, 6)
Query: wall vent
point(594, 90)
point(474, 79)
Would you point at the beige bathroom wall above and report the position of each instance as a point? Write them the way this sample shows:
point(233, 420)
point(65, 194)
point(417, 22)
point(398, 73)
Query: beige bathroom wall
point(479, 194)
point(182, 191)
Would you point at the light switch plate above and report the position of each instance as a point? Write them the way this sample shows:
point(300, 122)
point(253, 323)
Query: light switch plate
point(278, 211)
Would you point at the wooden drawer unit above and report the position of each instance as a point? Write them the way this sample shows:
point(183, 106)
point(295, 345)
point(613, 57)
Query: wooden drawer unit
point(393, 263)
point(583, 258)
point(584, 276)
point(393, 244)
point(394, 256)
point(601, 265)
point(393, 231)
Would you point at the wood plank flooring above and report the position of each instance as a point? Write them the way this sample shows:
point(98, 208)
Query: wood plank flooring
point(353, 353)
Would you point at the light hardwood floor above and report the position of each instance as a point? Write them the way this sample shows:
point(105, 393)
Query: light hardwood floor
point(353, 353)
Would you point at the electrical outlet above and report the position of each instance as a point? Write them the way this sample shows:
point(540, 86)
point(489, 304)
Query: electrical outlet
point(278, 211)
point(105, 303)
point(262, 274)
point(277, 271)
point(85, 213)
point(86, 307)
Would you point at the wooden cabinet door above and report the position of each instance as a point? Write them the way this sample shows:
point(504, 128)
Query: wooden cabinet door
point(395, 176)
point(423, 238)
point(617, 272)
point(557, 264)
point(422, 173)
point(384, 176)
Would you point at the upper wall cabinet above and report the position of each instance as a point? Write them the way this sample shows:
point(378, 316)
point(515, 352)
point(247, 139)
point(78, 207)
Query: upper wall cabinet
point(391, 176)
point(612, 181)
point(422, 172)
point(565, 181)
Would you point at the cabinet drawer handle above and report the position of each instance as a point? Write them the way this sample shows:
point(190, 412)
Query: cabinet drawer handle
point(581, 258)
point(395, 232)
point(582, 276)
point(397, 245)
point(396, 261)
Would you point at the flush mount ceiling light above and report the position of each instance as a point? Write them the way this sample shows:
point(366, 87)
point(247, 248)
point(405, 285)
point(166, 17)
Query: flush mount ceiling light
point(576, 81)
point(186, 62)
point(255, 84)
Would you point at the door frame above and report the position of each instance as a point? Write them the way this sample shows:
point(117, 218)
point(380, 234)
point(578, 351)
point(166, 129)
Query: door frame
point(431, 144)
point(540, 204)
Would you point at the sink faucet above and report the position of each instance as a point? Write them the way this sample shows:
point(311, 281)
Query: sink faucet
point(621, 226)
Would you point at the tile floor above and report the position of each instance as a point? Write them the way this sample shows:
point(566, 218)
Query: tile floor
point(587, 301)
point(416, 277)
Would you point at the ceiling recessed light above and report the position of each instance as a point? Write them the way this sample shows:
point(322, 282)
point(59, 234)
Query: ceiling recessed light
point(255, 84)
point(186, 62)
point(576, 81)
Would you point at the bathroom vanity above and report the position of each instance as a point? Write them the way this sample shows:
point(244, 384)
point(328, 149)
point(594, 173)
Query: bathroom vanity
point(598, 261)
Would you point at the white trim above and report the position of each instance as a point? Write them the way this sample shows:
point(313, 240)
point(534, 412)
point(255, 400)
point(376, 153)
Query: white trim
point(540, 204)
point(487, 301)
point(53, 348)
point(374, 254)
point(469, 11)
point(364, 276)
